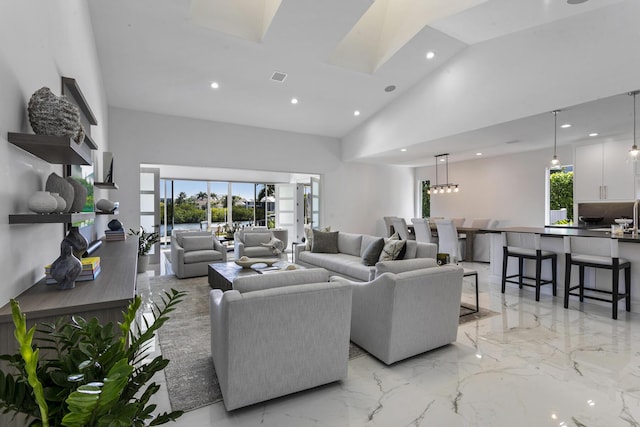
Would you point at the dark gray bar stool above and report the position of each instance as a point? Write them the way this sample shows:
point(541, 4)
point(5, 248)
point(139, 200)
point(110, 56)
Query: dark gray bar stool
point(536, 254)
point(612, 262)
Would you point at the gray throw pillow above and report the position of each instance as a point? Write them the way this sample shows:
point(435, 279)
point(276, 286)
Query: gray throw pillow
point(372, 253)
point(325, 242)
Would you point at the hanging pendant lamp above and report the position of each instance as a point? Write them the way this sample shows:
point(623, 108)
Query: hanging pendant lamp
point(448, 187)
point(555, 162)
point(634, 151)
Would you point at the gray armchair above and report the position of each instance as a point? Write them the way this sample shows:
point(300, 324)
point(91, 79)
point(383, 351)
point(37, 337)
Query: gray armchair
point(256, 242)
point(193, 251)
point(397, 316)
point(279, 340)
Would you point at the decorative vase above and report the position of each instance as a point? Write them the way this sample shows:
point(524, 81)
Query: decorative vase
point(60, 201)
point(42, 202)
point(54, 115)
point(115, 225)
point(143, 263)
point(66, 269)
point(77, 242)
point(79, 195)
point(57, 184)
point(105, 205)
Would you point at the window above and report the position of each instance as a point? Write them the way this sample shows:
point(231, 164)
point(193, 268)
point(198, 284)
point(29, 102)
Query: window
point(425, 199)
point(560, 196)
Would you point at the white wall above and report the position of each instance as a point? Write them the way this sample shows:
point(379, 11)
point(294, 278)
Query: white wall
point(527, 73)
point(39, 42)
point(355, 196)
point(505, 187)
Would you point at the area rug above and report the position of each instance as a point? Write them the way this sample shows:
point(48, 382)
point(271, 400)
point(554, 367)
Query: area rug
point(185, 340)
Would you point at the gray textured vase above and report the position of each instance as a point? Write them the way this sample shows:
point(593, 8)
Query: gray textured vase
point(54, 115)
point(66, 269)
point(57, 184)
point(77, 242)
point(79, 195)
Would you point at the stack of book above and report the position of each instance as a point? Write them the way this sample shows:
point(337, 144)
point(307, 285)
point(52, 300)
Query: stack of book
point(90, 270)
point(111, 235)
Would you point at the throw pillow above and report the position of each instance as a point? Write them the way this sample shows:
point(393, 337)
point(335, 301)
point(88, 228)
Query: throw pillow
point(392, 250)
point(197, 243)
point(325, 242)
point(308, 235)
point(371, 255)
point(256, 239)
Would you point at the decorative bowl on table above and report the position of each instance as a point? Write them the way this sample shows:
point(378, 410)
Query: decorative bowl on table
point(246, 262)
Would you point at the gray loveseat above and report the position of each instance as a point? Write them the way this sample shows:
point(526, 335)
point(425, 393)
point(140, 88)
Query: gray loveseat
point(348, 261)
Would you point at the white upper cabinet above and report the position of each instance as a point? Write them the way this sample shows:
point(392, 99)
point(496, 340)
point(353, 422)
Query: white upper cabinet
point(603, 171)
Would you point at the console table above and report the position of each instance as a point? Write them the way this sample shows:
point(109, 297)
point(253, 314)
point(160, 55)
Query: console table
point(105, 298)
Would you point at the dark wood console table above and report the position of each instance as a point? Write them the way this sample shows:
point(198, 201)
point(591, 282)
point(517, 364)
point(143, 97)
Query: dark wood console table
point(105, 298)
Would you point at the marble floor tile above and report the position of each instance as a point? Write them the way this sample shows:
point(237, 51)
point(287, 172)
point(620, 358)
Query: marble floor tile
point(532, 364)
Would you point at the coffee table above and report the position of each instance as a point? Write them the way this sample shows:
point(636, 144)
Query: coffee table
point(222, 274)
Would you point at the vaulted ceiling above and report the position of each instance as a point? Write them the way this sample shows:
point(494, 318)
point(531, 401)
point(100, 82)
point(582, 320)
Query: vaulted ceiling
point(338, 56)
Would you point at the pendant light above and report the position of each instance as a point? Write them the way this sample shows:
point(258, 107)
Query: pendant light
point(555, 162)
point(447, 187)
point(633, 152)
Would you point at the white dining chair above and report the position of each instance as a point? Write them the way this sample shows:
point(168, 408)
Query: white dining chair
point(400, 225)
point(422, 230)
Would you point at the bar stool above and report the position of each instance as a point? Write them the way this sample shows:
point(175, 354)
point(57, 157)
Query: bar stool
point(535, 254)
point(610, 262)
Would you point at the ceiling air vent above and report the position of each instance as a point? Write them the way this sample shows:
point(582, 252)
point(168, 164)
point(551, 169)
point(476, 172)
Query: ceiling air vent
point(278, 76)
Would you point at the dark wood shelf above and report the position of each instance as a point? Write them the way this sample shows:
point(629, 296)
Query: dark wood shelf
point(70, 87)
point(34, 218)
point(90, 142)
point(107, 213)
point(52, 149)
point(109, 185)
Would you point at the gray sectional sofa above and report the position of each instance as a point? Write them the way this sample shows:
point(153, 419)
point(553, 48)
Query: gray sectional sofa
point(348, 261)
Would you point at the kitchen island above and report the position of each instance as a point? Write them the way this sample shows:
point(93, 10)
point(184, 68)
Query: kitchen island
point(551, 240)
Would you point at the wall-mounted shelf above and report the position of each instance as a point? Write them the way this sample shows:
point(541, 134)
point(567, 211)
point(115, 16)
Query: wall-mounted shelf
point(90, 142)
point(70, 87)
point(107, 213)
point(52, 149)
point(108, 185)
point(34, 218)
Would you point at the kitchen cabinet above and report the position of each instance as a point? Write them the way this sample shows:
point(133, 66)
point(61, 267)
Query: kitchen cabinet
point(603, 171)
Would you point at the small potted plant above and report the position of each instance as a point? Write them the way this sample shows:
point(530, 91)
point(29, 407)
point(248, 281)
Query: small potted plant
point(145, 243)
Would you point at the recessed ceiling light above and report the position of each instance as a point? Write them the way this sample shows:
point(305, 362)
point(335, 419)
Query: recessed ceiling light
point(403, 149)
point(390, 88)
point(478, 154)
point(356, 113)
point(566, 125)
point(214, 85)
point(294, 101)
point(594, 134)
point(431, 55)
point(442, 160)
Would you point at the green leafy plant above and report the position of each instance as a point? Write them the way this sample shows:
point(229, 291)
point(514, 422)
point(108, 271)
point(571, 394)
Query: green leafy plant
point(80, 373)
point(145, 240)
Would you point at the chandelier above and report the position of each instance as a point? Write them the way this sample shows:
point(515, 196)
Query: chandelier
point(447, 187)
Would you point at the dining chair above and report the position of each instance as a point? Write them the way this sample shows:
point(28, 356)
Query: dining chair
point(400, 225)
point(422, 230)
point(388, 222)
point(449, 243)
point(458, 222)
